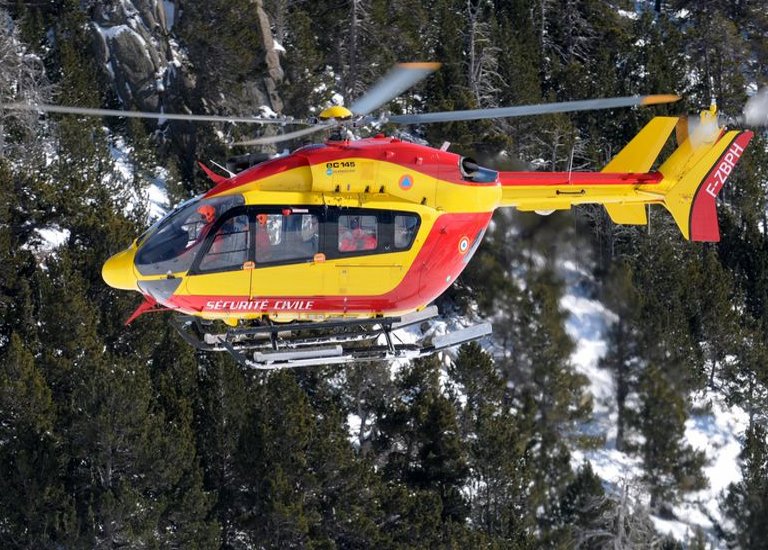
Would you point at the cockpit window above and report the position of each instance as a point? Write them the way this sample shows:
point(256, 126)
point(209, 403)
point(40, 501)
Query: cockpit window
point(172, 246)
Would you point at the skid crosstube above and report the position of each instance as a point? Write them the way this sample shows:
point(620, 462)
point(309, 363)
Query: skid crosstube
point(323, 343)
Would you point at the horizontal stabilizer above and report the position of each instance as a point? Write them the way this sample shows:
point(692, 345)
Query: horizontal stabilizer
point(627, 214)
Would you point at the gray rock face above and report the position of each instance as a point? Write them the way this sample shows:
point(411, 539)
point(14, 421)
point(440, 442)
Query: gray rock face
point(134, 43)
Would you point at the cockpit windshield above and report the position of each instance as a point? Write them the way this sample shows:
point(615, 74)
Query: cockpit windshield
point(171, 244)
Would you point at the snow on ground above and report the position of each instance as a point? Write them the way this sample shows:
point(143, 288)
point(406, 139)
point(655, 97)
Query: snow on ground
point(47, 240)
point(53, 236)
point(628, 14)
point(715, 428)
point(152, 194)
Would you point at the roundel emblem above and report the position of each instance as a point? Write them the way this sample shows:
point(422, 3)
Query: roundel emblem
point(463, 245)
point(406, 182)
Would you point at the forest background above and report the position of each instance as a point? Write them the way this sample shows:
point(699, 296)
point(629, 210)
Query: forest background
point(126, 437)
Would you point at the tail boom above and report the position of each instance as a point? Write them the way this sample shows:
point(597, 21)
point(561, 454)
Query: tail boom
point(535, 191)
point(686, 184)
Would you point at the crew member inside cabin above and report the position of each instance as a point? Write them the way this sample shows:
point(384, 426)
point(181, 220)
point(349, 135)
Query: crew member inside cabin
point(353, 237)
point(263, 244)
point(207, 217)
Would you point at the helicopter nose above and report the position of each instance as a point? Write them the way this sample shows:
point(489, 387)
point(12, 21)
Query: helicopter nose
point(118, 271)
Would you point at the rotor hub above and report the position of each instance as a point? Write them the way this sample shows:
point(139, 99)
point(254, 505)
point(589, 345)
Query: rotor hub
point(336, 112)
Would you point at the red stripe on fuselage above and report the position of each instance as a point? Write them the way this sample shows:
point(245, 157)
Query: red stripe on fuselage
point(437, 265)
point(411, 156)
point(260, 171)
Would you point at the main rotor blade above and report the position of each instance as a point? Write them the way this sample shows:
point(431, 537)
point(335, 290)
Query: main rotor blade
point(395, 82)
point(47, 108)
point(290, 135)
point(540, 109)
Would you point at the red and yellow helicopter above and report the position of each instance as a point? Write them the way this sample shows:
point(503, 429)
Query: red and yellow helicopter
point(315, 257)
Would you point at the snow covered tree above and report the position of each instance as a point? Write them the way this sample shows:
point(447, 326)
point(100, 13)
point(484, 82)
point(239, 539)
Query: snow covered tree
point(22, 79)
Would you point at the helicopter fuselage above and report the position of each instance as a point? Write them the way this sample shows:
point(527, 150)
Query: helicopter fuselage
point(381, 227)
point(365, 228)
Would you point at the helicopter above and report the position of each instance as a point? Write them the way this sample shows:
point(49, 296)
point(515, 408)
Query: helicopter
point(318, 256)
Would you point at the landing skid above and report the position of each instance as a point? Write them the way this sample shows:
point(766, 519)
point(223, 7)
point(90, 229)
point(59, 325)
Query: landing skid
point(304, 344)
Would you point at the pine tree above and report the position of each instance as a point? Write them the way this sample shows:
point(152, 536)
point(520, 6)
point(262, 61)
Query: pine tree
point(623, 353)
point(670, 465)
point(746, 502)
point(584, 514)
point(36, 509)
point(500, 458)
point(424, 450)
point(185, 519)
point(297, 480)
point(547, 389)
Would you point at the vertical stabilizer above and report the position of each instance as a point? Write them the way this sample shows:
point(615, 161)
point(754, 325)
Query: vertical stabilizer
point(698, 174)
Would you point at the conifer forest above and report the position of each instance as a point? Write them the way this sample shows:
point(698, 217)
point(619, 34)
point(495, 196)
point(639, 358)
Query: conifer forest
point(115, 436)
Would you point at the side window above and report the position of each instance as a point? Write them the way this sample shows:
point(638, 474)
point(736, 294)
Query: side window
point(405, 230)
point(229, 247)
point(358, 233)
point(286, 237)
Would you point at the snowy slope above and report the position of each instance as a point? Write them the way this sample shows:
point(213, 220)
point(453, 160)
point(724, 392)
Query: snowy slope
point(717, 429)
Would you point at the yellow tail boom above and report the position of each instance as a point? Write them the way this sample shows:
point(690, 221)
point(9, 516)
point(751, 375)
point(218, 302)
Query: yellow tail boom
point(686, 184)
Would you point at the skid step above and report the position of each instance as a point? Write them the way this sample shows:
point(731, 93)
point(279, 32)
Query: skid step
point(330, 342)
point(260, 357)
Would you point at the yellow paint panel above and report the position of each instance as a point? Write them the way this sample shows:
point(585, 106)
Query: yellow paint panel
point(356, 278)
point(627, 214)
point(297, 179)
point(220, 283)
point(284, 280)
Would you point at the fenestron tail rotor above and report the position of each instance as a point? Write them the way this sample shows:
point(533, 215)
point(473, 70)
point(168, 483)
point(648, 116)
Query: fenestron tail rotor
point(708, 125)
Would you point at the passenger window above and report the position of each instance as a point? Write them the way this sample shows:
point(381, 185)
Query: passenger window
point(286, 237)
point(229, 248)
point(405, 230)
point(357, 233)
